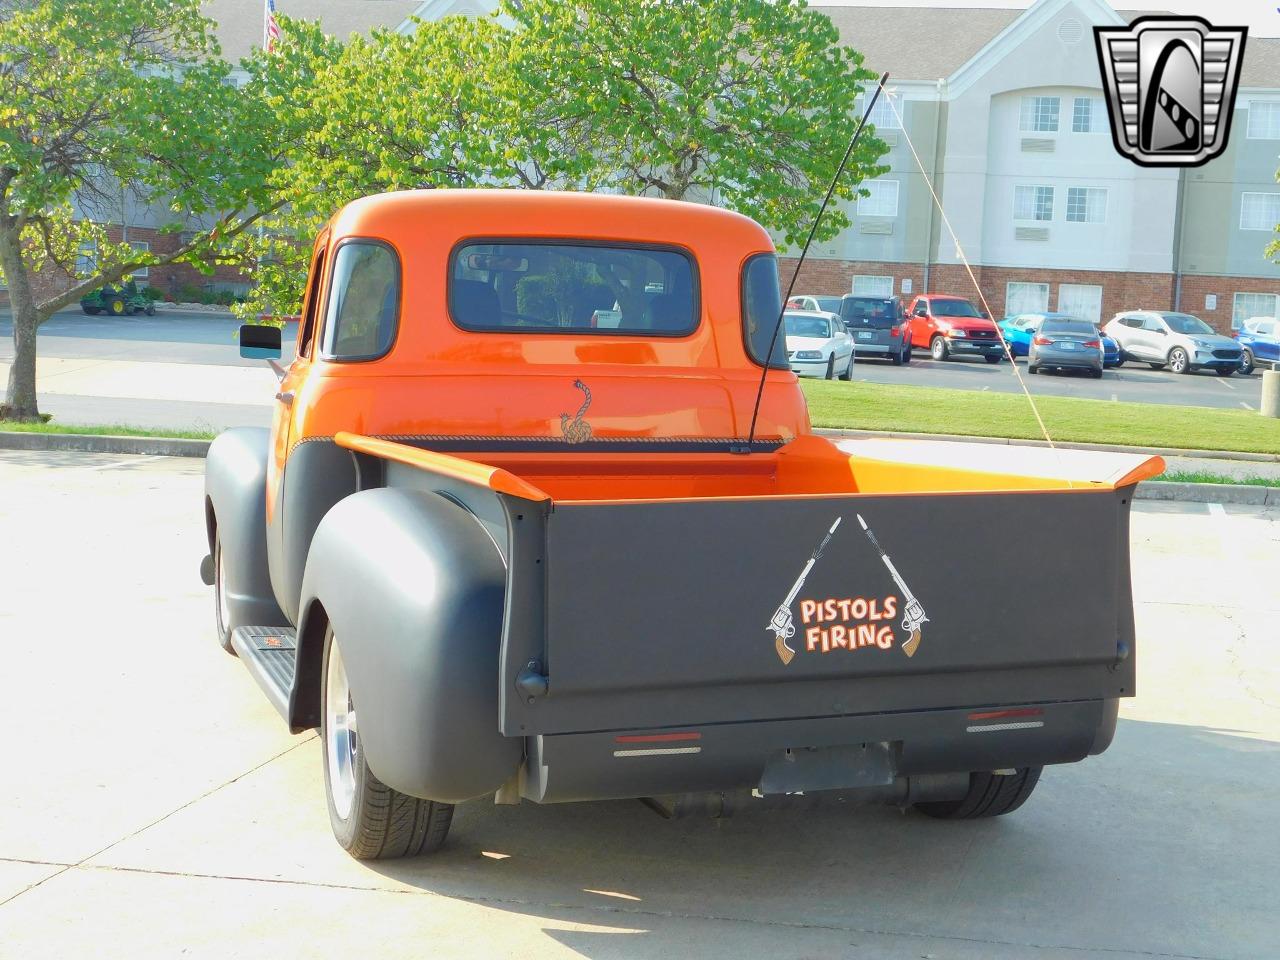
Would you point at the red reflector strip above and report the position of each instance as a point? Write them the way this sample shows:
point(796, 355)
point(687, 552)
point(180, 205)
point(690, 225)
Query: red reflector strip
point(658, 737)
point(1003, 714)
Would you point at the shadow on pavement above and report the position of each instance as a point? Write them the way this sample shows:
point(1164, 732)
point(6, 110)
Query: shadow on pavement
point(1160, 845)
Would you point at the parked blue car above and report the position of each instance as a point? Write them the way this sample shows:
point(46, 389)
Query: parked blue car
point(1020, 328)
point(1259, 340)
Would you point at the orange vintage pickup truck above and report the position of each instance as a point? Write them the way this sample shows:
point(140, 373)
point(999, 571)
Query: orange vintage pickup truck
point(510, 536)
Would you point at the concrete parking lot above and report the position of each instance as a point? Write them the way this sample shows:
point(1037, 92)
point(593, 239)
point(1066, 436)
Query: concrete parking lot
point(155, 807)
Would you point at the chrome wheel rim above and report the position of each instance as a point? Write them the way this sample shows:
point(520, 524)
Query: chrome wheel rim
point(220, 592)
point(1246, 361)
point(1179, 362)
point(342, 741)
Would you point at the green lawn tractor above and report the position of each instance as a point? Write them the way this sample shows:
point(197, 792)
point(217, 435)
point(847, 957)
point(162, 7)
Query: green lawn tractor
point(118, 301)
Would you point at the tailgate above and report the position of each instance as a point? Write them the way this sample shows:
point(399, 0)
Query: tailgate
point(671, 613)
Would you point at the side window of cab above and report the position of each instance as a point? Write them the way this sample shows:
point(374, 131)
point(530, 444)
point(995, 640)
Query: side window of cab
point(922, 308)
point(363, 311)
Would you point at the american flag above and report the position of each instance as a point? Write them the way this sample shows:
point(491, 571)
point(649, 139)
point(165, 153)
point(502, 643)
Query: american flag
point(271, 28)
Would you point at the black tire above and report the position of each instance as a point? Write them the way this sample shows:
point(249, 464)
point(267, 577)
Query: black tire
point(990, 795)
point(1226, 371)
point(1096, 374)
point(116, 306)
point(938, 349)
point(994, 358)
point(220, 618)
point(831, 368)
point(1155, 366)
point(92, 311)
point(1032, 369)
point(906, 353)
point(1246, 362)
point(896, 359)
point(1119, 363)
point(382, 823)
point(848, 370)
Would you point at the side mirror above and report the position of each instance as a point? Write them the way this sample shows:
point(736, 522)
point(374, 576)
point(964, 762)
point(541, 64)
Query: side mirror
point(259, 342)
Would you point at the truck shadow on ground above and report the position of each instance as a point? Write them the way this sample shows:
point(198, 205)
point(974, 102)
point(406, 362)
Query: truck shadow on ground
point(1111, 854)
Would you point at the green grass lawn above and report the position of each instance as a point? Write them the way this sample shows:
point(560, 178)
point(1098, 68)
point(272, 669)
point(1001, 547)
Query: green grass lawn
point(1209, 476)
point(910, 409)
point(112, 430)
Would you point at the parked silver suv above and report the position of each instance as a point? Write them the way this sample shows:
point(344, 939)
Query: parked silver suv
point(1178, 340)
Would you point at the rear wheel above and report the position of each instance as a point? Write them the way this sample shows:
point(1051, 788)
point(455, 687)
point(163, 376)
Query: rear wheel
point(370, 820)
point(938, 349)
point(222, 617)
point(1032, 369)
point(906, 352)
point(848, 369)
point(92, 311)
point(1096, 374)
point(896, 359)
point(990, 795)
point(993, 358)
point(1246, 362)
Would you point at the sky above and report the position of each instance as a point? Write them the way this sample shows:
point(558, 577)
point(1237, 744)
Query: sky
point(1262, 18)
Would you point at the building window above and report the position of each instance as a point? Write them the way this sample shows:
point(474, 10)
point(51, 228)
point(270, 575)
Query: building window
point(1086, 205)
point(1086, 115)
point(1246, 306)
point(1083, 300)
point(141, 246)
point(1264, 120)
point(882, 115)
point(867, 286)
point(1039, 115)
point(882, 200)
point(1026, 298)
point(1033, 203)
point(1259, 211)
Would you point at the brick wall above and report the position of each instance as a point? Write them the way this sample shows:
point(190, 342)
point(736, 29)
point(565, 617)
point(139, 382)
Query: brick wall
point(1120, 290)
point(169, 280)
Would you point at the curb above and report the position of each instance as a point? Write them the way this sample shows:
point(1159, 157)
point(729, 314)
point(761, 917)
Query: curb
point(1066, 445)
point(179, 447)
point(92, 443)
point(1237, 493)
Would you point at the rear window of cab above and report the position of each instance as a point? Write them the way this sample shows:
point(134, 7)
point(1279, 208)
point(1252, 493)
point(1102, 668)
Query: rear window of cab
point(573, 287)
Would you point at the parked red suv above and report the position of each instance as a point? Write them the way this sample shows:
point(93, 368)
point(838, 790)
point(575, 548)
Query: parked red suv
point(949, 326)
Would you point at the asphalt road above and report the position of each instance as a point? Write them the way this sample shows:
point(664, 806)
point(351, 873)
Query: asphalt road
point(156, 807)
point(210, 340)
point(1135, 382)
point(168, 337)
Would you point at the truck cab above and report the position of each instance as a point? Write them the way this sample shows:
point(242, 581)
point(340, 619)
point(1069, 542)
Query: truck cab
point(541, 518)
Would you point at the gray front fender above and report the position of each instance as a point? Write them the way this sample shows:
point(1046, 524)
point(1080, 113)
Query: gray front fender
point(413, 588)
point(235, 489)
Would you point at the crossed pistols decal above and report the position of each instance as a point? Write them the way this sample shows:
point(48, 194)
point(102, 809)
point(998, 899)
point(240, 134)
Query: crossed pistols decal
point(577, 430)
point(848, 623)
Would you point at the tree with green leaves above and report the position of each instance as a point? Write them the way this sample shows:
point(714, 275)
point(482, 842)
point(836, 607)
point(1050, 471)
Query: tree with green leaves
point(747, 104)
point(102, 98)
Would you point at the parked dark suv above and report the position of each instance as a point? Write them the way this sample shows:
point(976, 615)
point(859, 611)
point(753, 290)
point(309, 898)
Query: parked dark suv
point(879, 327)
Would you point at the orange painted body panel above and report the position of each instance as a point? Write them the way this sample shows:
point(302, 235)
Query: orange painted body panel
point(441, 383)
point(438, 379)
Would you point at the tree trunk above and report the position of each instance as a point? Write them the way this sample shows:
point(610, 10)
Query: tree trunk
point(20, 394)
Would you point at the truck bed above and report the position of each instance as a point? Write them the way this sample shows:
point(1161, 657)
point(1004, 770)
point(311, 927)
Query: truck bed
point(644, 595)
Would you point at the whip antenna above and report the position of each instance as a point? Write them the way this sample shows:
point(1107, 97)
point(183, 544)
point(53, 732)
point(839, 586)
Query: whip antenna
point(773, 341)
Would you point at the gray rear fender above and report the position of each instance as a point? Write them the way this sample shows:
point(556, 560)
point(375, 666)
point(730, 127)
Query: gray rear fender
point(413, 588)
point(235, 489)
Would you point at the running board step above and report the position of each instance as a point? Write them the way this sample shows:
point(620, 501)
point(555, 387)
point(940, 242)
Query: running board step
point(269, 654)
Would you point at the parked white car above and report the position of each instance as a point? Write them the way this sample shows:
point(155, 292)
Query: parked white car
point(810, 301)
point(1179, 341)
point(818, 344)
